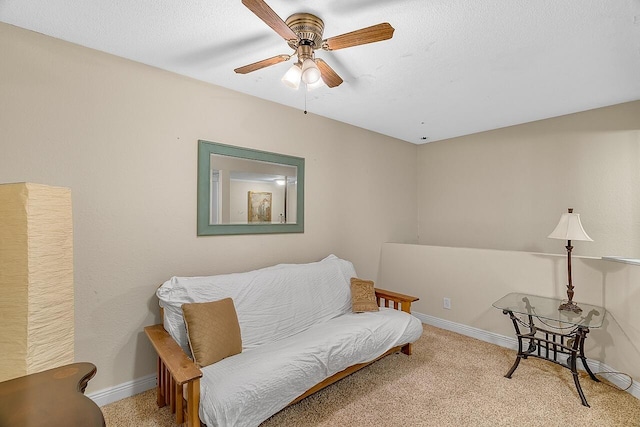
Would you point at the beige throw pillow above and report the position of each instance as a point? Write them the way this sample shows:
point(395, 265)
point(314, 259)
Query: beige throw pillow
point(213, 330)
point(363, 296)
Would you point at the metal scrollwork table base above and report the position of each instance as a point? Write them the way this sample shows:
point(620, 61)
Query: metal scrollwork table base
point(563, 336)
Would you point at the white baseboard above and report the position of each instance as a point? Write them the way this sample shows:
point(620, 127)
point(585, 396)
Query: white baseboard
point(121, 391)
point(131, 388)
point(470, 331)
point(618, 379)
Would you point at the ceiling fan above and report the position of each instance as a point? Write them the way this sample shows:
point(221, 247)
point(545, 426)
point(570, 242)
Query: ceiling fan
point(303, 33)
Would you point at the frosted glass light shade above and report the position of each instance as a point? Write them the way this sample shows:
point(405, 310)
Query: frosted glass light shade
point(310, 72)
point(570, 228)
point(292, 77)
point(36, 284)
point(315, 85)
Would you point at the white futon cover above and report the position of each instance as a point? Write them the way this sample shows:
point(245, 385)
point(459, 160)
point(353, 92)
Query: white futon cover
point(272, 303)
point(297, 330)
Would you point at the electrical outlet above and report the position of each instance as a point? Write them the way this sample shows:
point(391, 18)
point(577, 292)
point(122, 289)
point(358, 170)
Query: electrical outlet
point(446, 303)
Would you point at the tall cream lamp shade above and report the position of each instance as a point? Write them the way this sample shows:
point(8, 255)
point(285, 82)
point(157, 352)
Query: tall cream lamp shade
point(570, 228)
point(36, 279)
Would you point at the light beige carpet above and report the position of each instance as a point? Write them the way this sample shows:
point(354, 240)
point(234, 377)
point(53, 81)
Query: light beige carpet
point(450, 380)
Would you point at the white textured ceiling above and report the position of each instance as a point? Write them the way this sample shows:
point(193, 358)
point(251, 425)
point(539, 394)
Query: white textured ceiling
point(453, 67)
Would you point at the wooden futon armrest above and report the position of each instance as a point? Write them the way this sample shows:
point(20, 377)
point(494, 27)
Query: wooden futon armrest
point(402, 300)
point(175, 369)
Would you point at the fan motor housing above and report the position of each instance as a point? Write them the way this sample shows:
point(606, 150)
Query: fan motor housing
point(309, 29)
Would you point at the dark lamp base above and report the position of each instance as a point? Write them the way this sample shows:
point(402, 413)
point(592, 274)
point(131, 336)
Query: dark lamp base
point(570, 306)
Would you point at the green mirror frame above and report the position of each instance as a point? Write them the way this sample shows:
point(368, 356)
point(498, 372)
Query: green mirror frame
point(205, 149)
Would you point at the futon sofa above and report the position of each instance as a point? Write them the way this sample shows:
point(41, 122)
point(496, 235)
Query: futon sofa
point(298, 333)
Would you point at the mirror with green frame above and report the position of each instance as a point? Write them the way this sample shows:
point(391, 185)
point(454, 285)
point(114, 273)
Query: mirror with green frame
point(245, 191)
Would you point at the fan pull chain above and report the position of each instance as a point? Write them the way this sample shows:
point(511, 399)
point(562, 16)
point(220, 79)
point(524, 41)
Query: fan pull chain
point(305, 101)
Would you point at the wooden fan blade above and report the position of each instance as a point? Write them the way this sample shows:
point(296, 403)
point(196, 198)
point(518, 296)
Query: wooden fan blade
point(264, 12)
point(330, 77)
point(262, 64)
point(375, 33)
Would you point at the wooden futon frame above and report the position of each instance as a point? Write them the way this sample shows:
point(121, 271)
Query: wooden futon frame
point(177, 373)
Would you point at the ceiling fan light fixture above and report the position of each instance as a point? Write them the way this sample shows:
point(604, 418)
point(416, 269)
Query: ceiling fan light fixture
point(303, 32)
point(310, 72)
point(292, 77)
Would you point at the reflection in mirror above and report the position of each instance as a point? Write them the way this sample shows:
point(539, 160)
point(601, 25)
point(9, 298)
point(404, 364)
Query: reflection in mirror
point(247, 191)
point(243, 191)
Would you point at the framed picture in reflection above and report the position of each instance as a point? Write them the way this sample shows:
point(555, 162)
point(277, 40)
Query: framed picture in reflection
point(259, 207)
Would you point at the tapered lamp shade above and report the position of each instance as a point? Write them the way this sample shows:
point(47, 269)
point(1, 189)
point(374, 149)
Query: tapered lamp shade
point(292, 77)
point(310, 72)
point(315, 85)
point(570, 228)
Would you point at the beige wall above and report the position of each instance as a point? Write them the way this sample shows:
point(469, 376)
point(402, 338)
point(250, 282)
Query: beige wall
point(123, 137)
point(505, 189)
point(475, 278)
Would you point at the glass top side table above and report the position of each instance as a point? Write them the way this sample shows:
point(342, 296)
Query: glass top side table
point(547, 308)
point(565, 335)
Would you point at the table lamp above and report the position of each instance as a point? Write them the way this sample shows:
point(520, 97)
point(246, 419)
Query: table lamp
point(570, 228)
